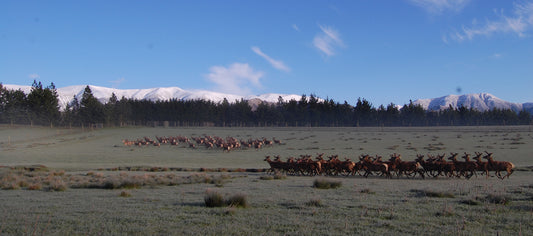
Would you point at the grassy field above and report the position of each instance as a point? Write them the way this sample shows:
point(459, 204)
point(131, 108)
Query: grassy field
point(78, 196)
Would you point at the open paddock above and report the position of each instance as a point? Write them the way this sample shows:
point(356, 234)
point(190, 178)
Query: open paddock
point(100, 197)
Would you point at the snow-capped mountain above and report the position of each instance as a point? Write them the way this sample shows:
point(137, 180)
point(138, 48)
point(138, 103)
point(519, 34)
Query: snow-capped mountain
point(478, 101)
point(67, 94)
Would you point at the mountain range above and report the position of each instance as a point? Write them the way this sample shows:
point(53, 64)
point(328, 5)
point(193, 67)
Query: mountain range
point(478, 101)
point(67, 94)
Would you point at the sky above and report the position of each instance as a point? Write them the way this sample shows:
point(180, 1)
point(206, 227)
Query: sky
point(384, 51)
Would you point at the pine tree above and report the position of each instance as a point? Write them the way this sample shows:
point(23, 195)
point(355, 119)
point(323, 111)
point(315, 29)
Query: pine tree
point(43, 104)
point(524, 117)
point(363, 112)
point(91, 110)
point(111, 110)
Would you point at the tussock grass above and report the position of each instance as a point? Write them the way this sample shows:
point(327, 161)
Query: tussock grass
point(326, 184)
point(266, 177)
point(60, 180)
point(431, 193)
point(496, 199)
point(237, 200)
point(181, 169)
point(218, 182)
point(447, 210)
point(31, 168)
point(277, 175)
point(215, 199)
point(230, 210)
point(57, 185)
point(35, 186)
point(471, 202)
point(124, 194)
point(316, 202)
point(367, 191)
point(10, 186)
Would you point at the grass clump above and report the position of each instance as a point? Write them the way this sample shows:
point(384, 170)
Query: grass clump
point(497, 199)
point(266, 177)
point(35, 186)
point(277, 175)
point(367, 191)
point(230, 211)
point(471, 202)
point(57, 185)
point(125, 194)
point(314, 203)
point(237, 200)
point(326, 184)
point(430, 193)
point(218, 182)
point(10, 186)
point(10, 181)
point(216, 199)
point(446, 210)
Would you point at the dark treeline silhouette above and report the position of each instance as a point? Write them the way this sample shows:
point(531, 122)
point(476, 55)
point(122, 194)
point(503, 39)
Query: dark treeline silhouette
point(40, 107)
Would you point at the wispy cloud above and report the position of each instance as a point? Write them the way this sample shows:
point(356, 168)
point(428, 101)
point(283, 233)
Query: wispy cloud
point(238, 78)
point(327, 40)
point(117, 82)
point(275, 63)
point(440, 6)
point(34, 76)
point(295, 27)
point(518, 23)
point(495, 56)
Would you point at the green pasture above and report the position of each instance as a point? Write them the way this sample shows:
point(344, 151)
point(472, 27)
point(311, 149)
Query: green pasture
point(276, 206)
point(76, 149)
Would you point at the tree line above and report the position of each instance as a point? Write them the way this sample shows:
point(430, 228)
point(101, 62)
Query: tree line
point(41, 107)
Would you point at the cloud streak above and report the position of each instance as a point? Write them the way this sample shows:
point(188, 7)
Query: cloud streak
point(439, 6)
point(275, 63)
point(116, 83)
point(34, 76)
point(327, 40)
point(238, 78)
point(295, 27)
point(519, 23)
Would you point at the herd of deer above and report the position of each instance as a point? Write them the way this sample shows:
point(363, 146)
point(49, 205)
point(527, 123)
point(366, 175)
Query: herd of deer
point(434, 166)
point(227, 144)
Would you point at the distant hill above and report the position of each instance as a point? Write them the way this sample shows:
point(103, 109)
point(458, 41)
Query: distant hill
point(67, 94)
point(478, 101)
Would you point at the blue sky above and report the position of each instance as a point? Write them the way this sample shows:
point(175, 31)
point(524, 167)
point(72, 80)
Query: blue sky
point(383, 51)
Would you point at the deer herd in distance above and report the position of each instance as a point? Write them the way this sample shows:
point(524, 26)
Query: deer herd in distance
point(367, 165)
point(433, 166)
point(210, 142)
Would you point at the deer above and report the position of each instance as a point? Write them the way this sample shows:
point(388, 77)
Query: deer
point(498, 166)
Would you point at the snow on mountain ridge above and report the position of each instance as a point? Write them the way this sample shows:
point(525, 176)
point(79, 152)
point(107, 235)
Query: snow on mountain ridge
point(67, 94)
point(478, 101)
